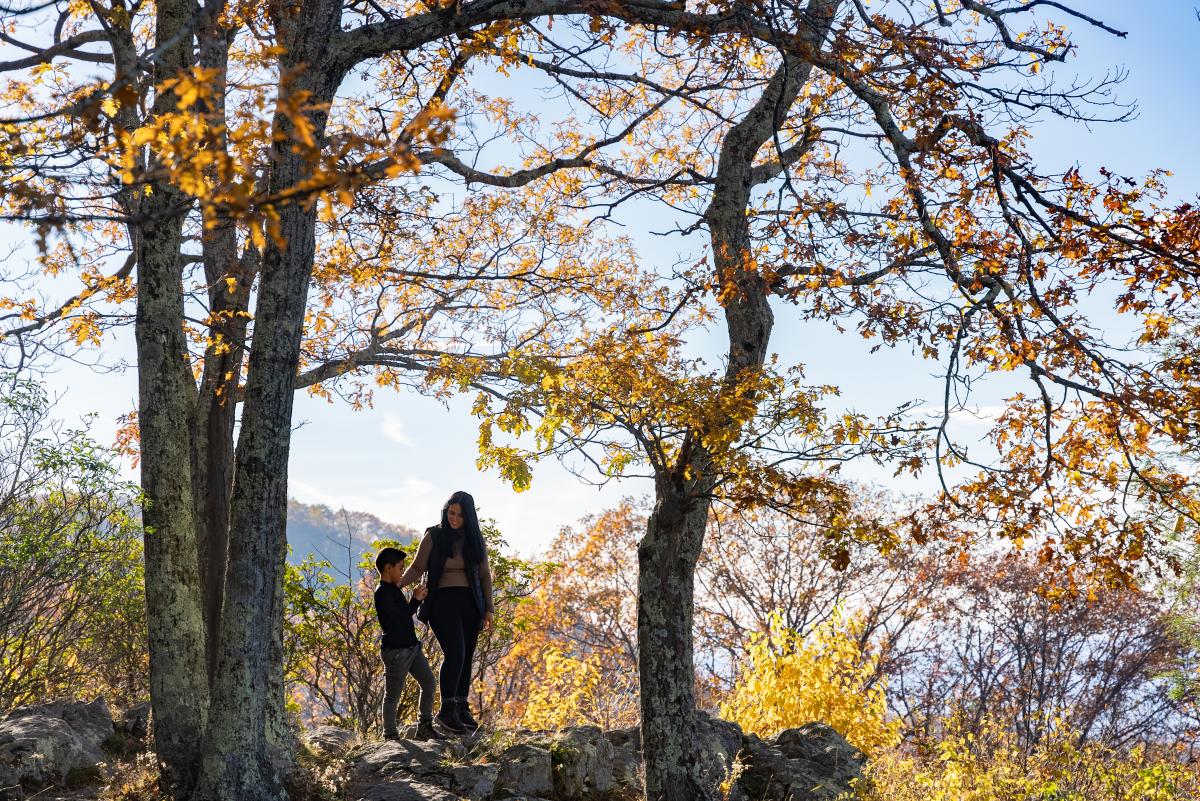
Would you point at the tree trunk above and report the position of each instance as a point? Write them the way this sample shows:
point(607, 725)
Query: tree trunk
point(175, 620)
point(166, 399)
point(247, 698)
point(667, 555)
point(229, 280)
point(675, 767)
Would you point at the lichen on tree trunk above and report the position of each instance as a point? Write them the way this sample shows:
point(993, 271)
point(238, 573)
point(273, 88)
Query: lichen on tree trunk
point(175, 620)
point(666, 571)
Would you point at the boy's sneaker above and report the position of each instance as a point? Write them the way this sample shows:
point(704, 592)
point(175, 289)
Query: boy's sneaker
point(426, 731)
point(448, 717)
point(464, 714)
point(392, 737)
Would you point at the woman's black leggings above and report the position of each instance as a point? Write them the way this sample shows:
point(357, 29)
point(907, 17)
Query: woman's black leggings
point(456, 622)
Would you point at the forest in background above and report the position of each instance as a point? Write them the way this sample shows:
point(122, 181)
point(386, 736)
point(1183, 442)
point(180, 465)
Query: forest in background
point(962, 675)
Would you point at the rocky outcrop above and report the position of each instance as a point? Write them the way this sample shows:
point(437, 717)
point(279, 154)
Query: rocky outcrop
point(811, 763)
point(68, 740)
point(51, 743)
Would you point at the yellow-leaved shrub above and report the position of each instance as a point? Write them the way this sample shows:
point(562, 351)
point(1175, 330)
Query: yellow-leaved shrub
point(992, 766)
point(573, 692)
point(788, 680)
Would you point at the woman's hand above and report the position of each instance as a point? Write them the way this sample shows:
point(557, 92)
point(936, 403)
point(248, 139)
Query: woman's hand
point(487, 621)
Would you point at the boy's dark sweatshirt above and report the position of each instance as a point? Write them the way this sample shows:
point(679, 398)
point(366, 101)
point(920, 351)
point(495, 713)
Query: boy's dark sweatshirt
point(395, 616)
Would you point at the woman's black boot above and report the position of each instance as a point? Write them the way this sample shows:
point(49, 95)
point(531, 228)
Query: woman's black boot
point(448, 717)
point(464, 714)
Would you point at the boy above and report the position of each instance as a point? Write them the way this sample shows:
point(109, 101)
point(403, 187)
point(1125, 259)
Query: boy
point(400, 649)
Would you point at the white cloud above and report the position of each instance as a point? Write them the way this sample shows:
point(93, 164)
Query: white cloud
point(393, 429)
point(409, 487)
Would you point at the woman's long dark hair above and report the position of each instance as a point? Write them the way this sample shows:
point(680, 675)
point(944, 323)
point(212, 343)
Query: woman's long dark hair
point(472, 535)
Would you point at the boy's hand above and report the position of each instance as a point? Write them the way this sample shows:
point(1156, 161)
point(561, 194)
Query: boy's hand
point(420, 591)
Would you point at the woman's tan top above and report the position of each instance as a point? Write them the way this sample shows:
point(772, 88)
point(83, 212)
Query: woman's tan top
point(454, 573)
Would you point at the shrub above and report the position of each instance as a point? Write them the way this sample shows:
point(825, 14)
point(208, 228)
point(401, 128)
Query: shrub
point(788, 680)
point(573, 691)
point(72, 615)
point(994, 765)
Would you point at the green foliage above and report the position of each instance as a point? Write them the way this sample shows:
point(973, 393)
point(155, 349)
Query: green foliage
point(72, 619)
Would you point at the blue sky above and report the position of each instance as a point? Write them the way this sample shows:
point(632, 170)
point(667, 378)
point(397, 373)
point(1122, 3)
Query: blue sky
point(402, 458)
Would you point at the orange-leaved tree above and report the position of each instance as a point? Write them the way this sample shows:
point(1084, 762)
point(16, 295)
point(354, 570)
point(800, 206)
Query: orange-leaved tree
point(881, 179)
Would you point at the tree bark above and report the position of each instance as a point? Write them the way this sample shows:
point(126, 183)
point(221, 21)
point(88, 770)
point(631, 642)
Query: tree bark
point(239, 760)
point(175, 620)
point(166, 399)
point(229, 280)
point(675, 767)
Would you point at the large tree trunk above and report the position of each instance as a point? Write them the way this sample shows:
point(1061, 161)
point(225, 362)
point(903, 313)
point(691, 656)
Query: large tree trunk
point(175, 621)
point(671, 751)
point(247, 697)
point(229, 280)
point(675, 767)
point(166, 399)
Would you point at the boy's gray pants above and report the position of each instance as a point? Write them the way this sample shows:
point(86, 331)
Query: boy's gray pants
point(398, 663)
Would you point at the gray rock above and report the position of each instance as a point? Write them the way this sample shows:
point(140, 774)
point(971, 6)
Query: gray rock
point(42, 744)
point(811, 763)
point(135, 721)
point(769, 774)
point(582, 759)
point(331, 740)
point(474, 781)
point(630, 738)
point(403, 788)
point(525, 770)
point(627, 769)
point(822, 750)
point(419, 758)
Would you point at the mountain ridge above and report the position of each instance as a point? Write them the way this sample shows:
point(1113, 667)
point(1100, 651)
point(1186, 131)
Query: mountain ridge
point(339, 536)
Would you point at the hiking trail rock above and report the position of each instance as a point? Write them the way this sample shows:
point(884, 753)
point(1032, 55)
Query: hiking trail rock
point(51, 742)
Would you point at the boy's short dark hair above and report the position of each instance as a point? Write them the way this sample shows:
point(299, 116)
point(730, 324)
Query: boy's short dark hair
point(388, 557)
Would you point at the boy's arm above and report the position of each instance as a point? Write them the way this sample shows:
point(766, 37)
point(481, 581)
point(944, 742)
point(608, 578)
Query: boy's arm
point(420, 562)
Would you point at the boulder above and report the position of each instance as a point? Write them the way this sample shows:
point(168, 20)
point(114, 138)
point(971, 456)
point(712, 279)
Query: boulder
point(811, 763)
point(627, 757)
point(823, 751)
point(525, 770)
point(770, 774)
point(49, 743)
point(134, 722)
point(331, 740)
point(582, 760)
point(476, 782)
point(584, 763)
point(629, 737)
point(419, 758)
point(403, 788)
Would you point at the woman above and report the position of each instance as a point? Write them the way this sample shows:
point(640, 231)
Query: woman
point(459, 603)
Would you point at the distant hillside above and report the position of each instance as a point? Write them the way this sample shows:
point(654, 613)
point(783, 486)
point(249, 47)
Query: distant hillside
point(327, 532)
